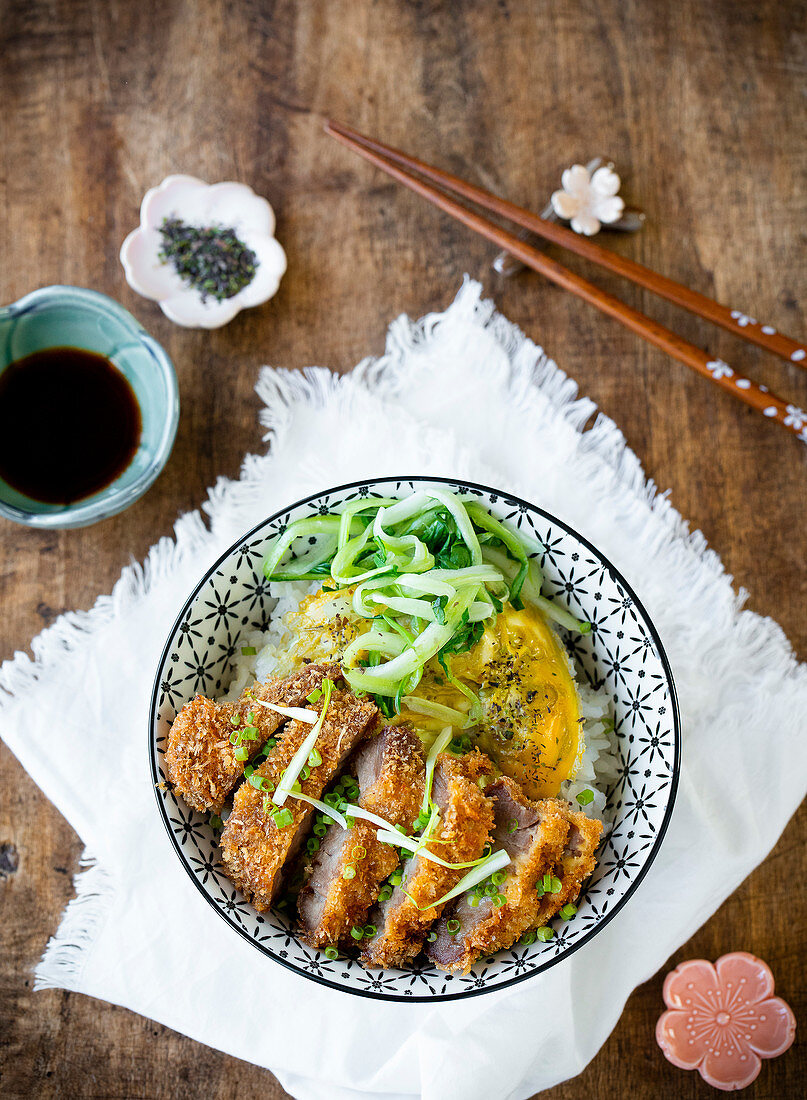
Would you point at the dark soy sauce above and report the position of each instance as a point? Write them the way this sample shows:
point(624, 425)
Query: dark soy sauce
point(69, 424)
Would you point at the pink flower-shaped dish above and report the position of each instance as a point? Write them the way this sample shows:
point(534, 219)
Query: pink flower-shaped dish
point(723, 1019)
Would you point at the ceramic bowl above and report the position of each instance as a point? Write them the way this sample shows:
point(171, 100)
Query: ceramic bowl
point(623, 654)
point(70, 316)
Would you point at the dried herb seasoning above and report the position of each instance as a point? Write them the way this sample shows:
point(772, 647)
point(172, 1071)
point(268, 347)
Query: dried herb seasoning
point(213, 259)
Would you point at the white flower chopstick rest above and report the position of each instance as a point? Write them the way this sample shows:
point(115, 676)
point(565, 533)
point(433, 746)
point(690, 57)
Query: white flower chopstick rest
point(203, 251)
point(588, 200)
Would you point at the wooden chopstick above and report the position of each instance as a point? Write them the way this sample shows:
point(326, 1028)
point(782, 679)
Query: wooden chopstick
point(735, 321)
point(715, 370)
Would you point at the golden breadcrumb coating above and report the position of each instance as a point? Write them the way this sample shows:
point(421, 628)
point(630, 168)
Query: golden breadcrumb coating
point(575, 864)
point(253, 848)
point(200, 761)
point(330, 904)
point(466, 818)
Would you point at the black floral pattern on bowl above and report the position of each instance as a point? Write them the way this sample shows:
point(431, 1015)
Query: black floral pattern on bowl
point(622, 654)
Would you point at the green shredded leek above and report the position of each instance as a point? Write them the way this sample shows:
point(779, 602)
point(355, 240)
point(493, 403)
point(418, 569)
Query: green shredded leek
point(494, 862)
point(430, 569)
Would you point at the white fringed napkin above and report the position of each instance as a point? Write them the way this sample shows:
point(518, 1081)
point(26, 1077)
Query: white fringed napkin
point(462, 394)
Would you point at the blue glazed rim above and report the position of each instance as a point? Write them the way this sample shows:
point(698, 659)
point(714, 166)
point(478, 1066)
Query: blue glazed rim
point(115, 498)
point(468, 992)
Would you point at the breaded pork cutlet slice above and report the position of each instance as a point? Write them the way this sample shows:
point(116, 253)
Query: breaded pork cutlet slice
point(255, 847)
point(390, 774)
point(534, 835)
point(575, 864)
point(466, 818)
point(200, 759)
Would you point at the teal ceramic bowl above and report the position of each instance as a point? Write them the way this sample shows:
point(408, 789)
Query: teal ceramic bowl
point(69, 316)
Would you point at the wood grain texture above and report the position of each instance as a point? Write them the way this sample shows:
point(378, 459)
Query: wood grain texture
point(700, 103)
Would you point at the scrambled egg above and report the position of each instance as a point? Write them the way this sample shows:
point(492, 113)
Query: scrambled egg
point(530, 724)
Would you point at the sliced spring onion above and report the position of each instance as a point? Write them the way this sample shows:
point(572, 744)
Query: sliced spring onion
point(544, 934)
point(417, 705)
point(313, 525)
point(568, 911)
point(299, 714)
point(323, 808)
point(289, 777)
point(441, 743)
point(417, 847)
point(493, 862)
point(584, 797)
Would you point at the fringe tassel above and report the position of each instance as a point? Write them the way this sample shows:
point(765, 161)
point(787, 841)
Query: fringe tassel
point(62, 965)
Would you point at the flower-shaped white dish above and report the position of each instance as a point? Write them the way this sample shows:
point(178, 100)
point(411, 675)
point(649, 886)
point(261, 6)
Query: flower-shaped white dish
point(588, 200)
point(622, 653)
point(202, 206)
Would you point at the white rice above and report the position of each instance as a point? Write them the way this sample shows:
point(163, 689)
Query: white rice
point(598, 767)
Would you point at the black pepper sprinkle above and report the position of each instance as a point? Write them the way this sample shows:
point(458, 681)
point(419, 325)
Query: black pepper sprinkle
point(212, 259)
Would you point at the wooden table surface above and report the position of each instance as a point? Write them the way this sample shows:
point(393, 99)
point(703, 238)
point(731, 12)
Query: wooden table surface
point(701, 105)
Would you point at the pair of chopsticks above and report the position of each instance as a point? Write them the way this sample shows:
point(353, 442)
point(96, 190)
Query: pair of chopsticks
point(403, 168)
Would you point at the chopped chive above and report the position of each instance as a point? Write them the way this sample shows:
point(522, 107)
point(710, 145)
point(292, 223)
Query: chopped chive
point(270, 744)
point(528, 938)
point(314, 758)
point(250, 717)
point(359, 852)
point(555, 886)
point(250, 733)
point(396, 878)
point(235, 737)
point(544, 934)
point(282, 818)
point(584, 797)
point(235, 720)
point(385, 893)
point(248, 651)
point(498, 877)
point(257, 781)
point(491, 891)
point(473, 901)
point(305, 771)
point(314, 695)
point(312, 845)
point(499, 900)
point(348, 872)
point(546, 882)
point(370, 930)
point(241, 753)
point(320, 829)
point(248, 770)
point(568, 911)
point(215, 821)
point(432, 936)
point(357, 933)
point(331, 953)
point(539, 887)
point(453, 927)
point(512, 826)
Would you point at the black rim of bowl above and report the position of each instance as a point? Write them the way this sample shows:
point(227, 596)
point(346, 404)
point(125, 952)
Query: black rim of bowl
point(516, 979)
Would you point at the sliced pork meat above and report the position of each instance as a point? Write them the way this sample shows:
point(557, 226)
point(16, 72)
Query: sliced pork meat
point(200, 759)
point(390, 774)
point(466, 818)
point(534, 835)
point(255, 845)
point(575, 864)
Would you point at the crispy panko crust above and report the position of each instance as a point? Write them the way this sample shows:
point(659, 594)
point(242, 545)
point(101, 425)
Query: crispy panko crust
point(200, 761)
point(466, 818)
point(253, 848)
point(575, 864)
point(337, 903)
point(534, 848)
